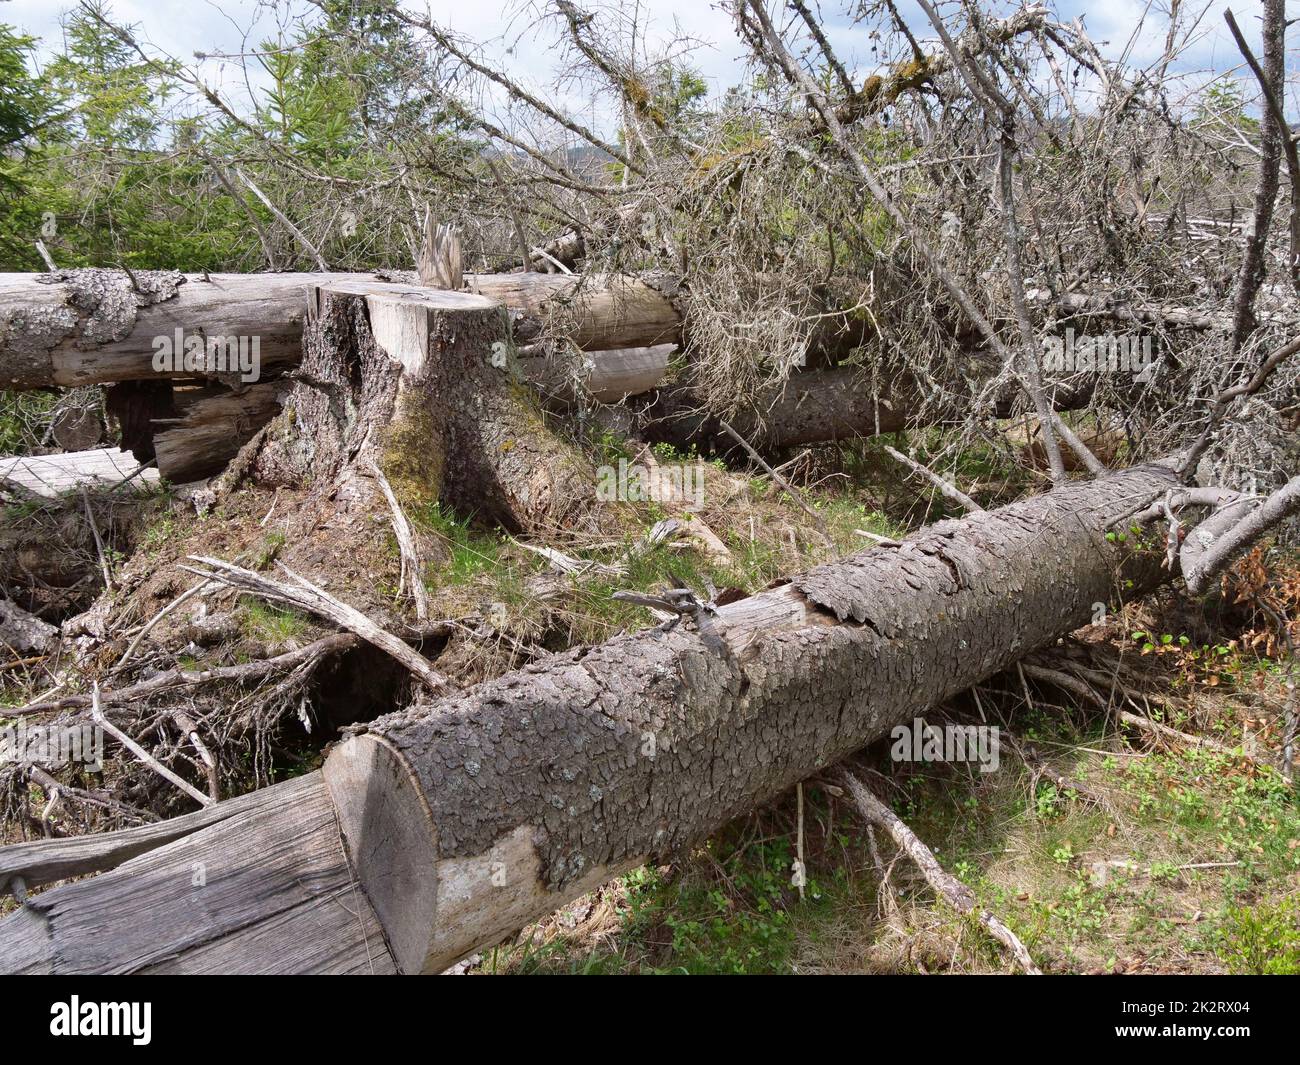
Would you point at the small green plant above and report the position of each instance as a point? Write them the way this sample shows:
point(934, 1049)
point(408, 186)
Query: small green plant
point(271, 624)
point(470, 552)
point(1164, 871)
point(1262, 940)
point(269, 549)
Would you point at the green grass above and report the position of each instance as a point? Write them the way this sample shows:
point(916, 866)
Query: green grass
point(732, 915)
point(470, 552)
point(1086, 888)
point(272, 544)
point(271, 624)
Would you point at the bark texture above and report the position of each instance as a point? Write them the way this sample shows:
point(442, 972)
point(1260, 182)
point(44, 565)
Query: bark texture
point(79, 327)
point(466, 817)
point(419, 383)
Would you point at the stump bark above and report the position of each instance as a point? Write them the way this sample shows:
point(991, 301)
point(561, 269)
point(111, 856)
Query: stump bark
point(420, 384)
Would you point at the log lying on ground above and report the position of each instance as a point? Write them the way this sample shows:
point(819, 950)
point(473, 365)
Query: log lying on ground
point(813, 407)
point(99, 326)
point(194, 430)
point(211, 425)
point(50, 476)
point(442, 828)
point(820, 406)
point(94, 326)
point(607, 376)
point(816, 406)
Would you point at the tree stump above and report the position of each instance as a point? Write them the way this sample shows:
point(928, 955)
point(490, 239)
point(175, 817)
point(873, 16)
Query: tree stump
point(421, 384)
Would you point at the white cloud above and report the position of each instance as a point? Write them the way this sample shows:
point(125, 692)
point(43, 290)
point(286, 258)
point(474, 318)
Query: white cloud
point(522, 36)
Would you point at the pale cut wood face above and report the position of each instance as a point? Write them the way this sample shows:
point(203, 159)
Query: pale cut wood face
point(448, 824)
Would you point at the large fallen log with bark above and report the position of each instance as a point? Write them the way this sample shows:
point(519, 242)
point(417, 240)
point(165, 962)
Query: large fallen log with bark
point(102, 326)
point(80, 327)
point(440, 829)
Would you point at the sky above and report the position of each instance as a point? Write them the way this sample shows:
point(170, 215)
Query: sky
point(512, 37)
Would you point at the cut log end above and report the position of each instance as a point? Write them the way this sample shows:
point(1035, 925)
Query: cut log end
point(392, 842)
point(447, 826)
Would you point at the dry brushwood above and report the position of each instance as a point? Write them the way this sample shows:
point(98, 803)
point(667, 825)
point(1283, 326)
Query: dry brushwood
point(302, 594)
point(946, 886)
point(833, 262)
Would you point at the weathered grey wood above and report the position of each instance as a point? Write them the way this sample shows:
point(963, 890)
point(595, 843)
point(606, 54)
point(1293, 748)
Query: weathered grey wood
point(608, 376)
point(332, 933)
point(90, 326)
point(550, 779)
point(50, 476)
point(24, 945)
point(392, 842)
point(439, 263)
point(24, 633)
point(267, 890)
point(213, 423)
point(45, 861)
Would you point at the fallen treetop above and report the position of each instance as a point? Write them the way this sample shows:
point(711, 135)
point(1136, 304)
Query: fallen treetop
point(446, 826)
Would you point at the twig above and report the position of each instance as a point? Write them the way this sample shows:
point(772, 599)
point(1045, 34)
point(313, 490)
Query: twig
point(265, 238)
point(190, 728)
point(99, 543)
point(949, 491)
point(1219, 404)
point(1181, 738)
point(411, 579)
point(284, 221)
point(1063, 681)
point(97, 714)
point(132, 475)
point(45, 254)
point(130, 650)
point(307, 596)
point(102, 800)
point(180, 678)
point(518, 223)
point(883, 541)
point(781, 481)
point(1209, 547)
point(801, 875)
point(1274, 107)
point(946, 886)
point(570, 566)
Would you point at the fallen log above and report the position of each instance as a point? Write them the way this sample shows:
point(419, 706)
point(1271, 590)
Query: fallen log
point(211, 425)
point(821, 406)
point(606, 376)
point(193, 430)
point(444, 827)
point(50, 476)
point(95, 326)
point(88, 326)
point(24, 633)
